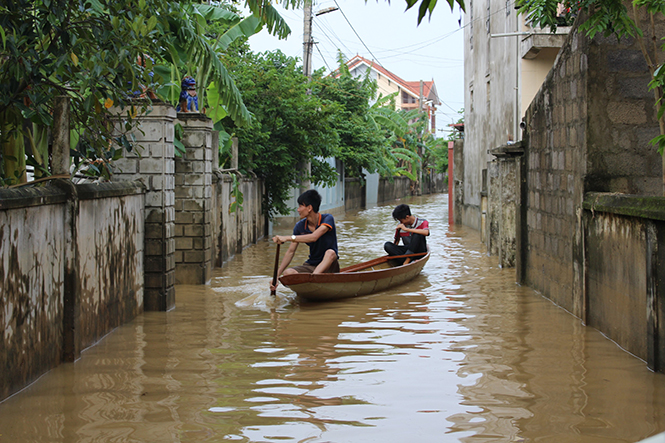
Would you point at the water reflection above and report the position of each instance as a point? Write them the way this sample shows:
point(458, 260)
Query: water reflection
point(461, 353)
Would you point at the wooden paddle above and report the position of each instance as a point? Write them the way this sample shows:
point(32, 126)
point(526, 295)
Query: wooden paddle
point(273, 292)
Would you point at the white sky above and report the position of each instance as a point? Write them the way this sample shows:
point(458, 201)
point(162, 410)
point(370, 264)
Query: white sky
point(387, 34)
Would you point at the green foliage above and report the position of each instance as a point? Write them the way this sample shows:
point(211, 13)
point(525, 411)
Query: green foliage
point(604, 17)
point(361, 144)
point(455, 134)
point(437, 159)
point(104, 54)
point(80, 49)
point(427, 6)
point(236, 194)
point(290, 126)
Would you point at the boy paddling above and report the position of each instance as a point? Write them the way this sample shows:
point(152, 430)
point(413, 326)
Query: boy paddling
point(315, 229)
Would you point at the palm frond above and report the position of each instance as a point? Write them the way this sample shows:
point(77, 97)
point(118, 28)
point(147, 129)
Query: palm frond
point(269, 15)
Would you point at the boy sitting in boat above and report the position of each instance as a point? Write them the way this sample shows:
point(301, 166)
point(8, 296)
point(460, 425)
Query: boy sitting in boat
point(411, 230)
point(318, 231)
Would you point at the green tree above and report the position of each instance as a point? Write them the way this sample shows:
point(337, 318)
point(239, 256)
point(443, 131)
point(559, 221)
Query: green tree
point(99, 53)
point(361, 142)
point(426, 7)
point(290, 126)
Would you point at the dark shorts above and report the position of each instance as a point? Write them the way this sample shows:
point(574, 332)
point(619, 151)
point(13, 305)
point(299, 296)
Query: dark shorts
point(306, 268)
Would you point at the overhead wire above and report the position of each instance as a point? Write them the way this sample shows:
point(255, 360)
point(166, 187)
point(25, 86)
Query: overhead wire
point(355, 32)
point(408, 49)
point(324, 59)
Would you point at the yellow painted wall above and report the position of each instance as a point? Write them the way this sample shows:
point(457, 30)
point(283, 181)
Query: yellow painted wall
point(534, 72)
point(387, 87)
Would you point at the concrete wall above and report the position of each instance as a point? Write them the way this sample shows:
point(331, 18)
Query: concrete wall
point(463, 212)
point(624, 262)
point(503, 177)
point(492, 96)
point(233, 231)
point(72, 264)
point(434, 183)
point(81, 260)
point(391, 189)
point(371, 188)
point(355, 194)
point(533, 73)
point(32, 262)
point(110, 244)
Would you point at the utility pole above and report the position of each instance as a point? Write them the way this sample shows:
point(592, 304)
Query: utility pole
point(308, 44)
point(308, 47)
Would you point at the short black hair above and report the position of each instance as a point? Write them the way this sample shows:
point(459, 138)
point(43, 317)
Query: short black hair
point(310, 197)
point(401, 212)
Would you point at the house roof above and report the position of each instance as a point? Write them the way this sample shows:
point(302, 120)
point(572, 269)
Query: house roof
point(413, 87)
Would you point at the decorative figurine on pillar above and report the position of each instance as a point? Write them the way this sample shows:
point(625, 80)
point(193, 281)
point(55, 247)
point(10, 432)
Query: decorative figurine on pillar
point(189, 101)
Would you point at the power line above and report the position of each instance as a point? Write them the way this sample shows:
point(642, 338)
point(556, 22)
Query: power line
point(319, 25)
point(324, 59)
point(354, 31)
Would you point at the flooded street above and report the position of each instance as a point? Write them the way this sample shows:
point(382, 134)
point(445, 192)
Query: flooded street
point(460, 354)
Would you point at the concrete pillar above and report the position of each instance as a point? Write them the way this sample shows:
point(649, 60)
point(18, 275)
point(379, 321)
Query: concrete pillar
point(152, 162)
point(71, 304)
point(457, 178)
point(504, 187)
point(451, 188)
point(193, 201)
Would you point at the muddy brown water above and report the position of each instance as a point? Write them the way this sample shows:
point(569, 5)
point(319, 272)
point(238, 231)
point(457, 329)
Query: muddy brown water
point(461, 353)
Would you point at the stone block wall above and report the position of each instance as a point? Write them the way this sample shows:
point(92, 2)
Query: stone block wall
point(152, 162)
point(587, 130)
point(622, 119)
point(553, 184)
point(193, 201)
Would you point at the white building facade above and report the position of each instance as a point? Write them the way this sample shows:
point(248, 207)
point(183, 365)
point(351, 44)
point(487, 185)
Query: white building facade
point(505, 63)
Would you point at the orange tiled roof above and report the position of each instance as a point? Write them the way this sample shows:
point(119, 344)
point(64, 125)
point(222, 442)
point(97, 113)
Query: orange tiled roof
point(429, 89)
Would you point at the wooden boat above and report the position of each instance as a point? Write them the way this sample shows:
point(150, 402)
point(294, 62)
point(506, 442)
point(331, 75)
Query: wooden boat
point(361, 279)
